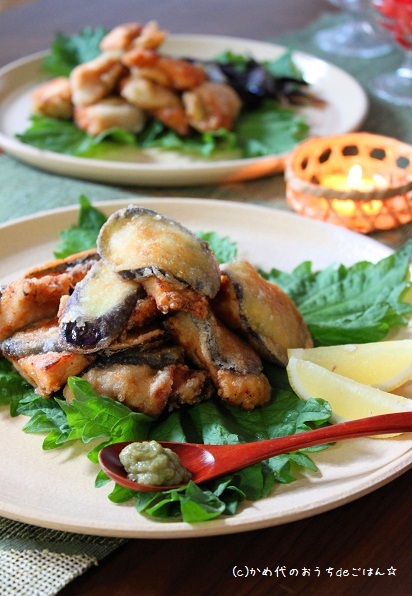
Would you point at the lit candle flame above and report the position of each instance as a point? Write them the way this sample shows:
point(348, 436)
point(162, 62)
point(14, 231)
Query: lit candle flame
point(354, 179)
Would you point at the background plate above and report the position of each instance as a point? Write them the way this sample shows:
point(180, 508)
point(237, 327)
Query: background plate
point(55, 488)
point(346, 107)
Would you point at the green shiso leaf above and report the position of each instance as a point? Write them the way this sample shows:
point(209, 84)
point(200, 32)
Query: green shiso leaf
point(83, 235)
point(156, 135)
point(63, 136)
point(355, 304)
point(68, 51)
point(224, 249)
point(269, 130)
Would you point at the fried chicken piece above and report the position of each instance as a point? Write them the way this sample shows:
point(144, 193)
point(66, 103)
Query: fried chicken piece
point(146, 389)
point(49, 372)
point(121, 37)
point(151, 37)
point(26, 301)
point(159, 101)
point(177, 73)
point(233, 365)
point(139, 387)
point(128, 35)
point(93, 80)
point(172, 296)
point(173, 117)
point(189, 386)
point(143, 313)
point(211, 106)
point(110, 112)
point(146, 380)
point(151, 74)
point(54, 99)
point(147, 94)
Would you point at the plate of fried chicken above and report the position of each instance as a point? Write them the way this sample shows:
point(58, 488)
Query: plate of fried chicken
point(142, 74)
point(99, 308)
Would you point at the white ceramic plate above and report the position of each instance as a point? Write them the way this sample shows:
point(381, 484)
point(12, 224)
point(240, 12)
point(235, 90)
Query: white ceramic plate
point(55, 488)
point(346, 107)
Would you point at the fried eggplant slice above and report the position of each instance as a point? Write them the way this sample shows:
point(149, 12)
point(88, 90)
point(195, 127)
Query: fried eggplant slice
point(261, 312)
point(235, 368)
point(98, 310)
point(37, 295)
point(44, 336)
point(49, 372)
point(76, 265)
point(156, 359)
point(145, 338)
point(38, 338)
point(139, 243)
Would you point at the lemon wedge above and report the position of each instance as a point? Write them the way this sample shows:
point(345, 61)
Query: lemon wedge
point(385, 365)
point(348, 399)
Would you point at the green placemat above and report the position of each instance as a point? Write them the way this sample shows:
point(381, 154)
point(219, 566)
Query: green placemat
point(39, 562)
point(25, 190)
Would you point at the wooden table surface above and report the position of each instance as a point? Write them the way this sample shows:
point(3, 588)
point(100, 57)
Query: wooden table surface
point(359, 542)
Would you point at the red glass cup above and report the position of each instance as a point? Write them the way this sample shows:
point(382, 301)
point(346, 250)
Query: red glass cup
point(396, 16)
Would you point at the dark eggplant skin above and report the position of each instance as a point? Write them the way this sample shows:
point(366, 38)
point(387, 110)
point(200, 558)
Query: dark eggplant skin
point(155, 358)
point(219, 347)
point(98, 310)
point(138, 243)
point(74, 264)
point(38, 338)
point(234, 367)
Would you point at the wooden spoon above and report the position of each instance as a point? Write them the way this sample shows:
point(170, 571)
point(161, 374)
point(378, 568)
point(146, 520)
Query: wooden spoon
point(206, 462)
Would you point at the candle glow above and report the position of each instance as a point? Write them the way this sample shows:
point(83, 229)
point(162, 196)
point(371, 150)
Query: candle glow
point(354, 180)
point(323, 181)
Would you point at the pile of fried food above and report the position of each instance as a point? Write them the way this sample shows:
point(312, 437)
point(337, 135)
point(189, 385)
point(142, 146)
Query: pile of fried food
point(131, 81)
point(149, 319)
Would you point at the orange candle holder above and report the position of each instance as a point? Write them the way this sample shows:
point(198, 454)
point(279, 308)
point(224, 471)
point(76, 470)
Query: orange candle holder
point(317, 183)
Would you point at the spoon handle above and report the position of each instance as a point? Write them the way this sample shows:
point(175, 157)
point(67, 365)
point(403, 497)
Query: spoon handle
point(209, 461)
point(249, 453)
